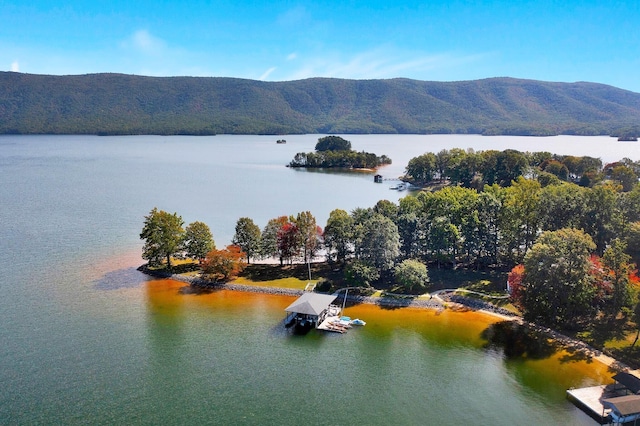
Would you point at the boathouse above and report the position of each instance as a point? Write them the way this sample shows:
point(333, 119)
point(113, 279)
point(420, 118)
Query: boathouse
point(310, 309)
point(615, 403)
point(624, 409)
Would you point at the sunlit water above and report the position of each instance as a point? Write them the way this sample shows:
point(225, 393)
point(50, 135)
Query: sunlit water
point(86, 339)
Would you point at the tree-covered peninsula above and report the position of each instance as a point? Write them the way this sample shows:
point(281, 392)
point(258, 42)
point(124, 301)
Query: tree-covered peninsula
point(336, 152)
point(562, 231)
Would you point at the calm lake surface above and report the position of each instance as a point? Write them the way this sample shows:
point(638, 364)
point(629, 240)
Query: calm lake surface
point(86, 339)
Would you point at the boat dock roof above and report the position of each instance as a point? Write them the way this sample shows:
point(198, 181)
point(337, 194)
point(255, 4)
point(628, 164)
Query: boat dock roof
point(599, 401)
point(311, 304)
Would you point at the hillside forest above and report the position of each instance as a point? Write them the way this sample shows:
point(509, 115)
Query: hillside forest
point(117, 104)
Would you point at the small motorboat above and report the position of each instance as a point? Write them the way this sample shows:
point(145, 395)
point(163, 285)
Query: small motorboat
point(358, 321)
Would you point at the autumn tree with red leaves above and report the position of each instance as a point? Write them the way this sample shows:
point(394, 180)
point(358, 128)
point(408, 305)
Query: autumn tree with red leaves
point(222, 265)
point(288, 238)
point(514, 282)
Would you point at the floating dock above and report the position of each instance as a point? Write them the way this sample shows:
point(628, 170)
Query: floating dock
point(332, 323)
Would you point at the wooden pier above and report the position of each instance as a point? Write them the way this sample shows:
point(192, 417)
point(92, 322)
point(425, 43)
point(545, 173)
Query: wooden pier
point(332, 323)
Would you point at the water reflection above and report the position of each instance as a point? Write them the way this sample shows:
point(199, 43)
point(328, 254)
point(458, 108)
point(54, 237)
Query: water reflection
point(519, 341)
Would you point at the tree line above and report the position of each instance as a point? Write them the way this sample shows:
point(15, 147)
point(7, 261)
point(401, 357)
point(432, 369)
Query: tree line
point(472, 169)
point(534, 225)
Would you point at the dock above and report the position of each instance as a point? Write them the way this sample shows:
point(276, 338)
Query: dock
point(618, 402)
point(332, 323)
point(590, 399)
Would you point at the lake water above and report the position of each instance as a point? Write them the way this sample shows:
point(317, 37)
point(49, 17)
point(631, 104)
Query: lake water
point(86, 339)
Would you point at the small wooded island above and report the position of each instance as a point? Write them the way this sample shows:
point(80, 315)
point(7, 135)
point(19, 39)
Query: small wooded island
point(336, 152)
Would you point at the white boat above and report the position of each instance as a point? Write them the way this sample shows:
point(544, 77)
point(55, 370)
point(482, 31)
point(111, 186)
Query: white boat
point(344, 322)
point(358, 321)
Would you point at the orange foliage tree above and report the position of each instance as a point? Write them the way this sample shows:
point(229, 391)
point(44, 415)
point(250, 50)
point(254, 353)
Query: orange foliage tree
point(514, 280)
point(222, 265)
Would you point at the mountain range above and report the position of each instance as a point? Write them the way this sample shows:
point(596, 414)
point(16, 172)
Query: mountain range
point(111, 104)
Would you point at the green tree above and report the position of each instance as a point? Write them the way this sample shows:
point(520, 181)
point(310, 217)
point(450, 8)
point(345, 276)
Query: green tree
point(562, 206)
point(412, 275)
point(423, 168)
point(616, 269)
point(558, 169)
point(602, 218)
point(557, 283)
point(636, 319)
point(442, 163)
point(360, 217)
point(520, 219)
point(163, 236)
point(387, 208)
point(360, 274)
point(461, 166)
point(269, 241)
point(487, 236)
point(309, 235)
point(629, 203)
point(380, 244)
point(198, 240)
point(625, 176)
point(632, 239)
point(511, 164)
point(333, 143)
point(411, 230)
point(410, 226)
point(247, 237)
point(442, 240)
point(338, 235)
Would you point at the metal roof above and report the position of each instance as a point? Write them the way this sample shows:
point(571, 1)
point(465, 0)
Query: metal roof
point(623, 405)
point(629, 381)
point(311, 304)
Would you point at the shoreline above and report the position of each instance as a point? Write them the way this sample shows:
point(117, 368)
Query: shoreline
point(454, 302)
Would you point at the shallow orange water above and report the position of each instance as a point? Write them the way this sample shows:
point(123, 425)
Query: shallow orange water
point(447, 328)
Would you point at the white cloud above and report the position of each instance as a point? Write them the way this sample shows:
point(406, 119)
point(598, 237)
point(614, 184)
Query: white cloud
point(292, 56)
point(15, 66)
point(381, 62)
point(266, 74)
point(143, 41)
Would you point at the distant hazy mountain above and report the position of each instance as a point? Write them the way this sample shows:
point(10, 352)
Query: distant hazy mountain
point(127, 104)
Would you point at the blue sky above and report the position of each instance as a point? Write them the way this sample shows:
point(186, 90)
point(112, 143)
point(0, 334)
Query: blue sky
point(564, 40)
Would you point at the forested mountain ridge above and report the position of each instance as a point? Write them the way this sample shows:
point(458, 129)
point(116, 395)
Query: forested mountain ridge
point(128, 104)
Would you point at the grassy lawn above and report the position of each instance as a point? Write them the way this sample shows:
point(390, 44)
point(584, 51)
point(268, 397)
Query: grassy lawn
point(291, 282)
point(486, 282)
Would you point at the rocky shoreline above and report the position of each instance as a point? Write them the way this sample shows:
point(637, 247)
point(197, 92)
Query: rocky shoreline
point(386, 301)
point(461, 302)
